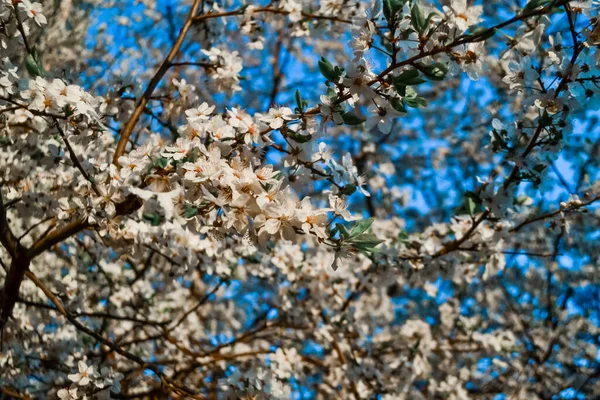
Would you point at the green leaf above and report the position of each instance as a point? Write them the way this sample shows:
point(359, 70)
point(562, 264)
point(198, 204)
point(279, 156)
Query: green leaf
point(533, 4)
point(417, 18)
point(415, 102)
point(498, 142)
point(330, 93)
point(388, 13)
point(299, 101)
point(33, 64)
point(68, 110)
point(522, 200)
point(429, 17)
point(190, 212)
point(341, 228)
point(352, 119)
point(391, 9)
point(361, 227)
point(436, 71)
point(153, 218)
point(298, 138)
point(328, 70)
point(348, 190)
point(480, 34)
point(539, 168)
point(366, 242)
point(161, 162)
point(398, 105)
point(401, 90)
point(408, 78)
point(472, 202)
point(410, 92)
point(403, 236)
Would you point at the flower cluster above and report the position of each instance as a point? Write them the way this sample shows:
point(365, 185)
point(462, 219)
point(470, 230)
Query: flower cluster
point(299, 199)
point(90, 381)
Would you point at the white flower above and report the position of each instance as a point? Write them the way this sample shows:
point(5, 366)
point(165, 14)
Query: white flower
point(108, 379)
point(279, 216)
point(362, 36)
point(329, 111)
point(463, 16)
point(549, 102)
point(382, 115)
point(33, 10)
point(312, 219)
point(529, 41)
point(555, 52)
point(277, 116)
point(471, 61)
point(82, 378)
point(349, 172)
point(339, 207)
point(68, 393)
point(200, 113)
point(357, 79)
point(284, 362)
point(165, 199)
point(228, 67)
point(63, 94)
point(293, 8)
point(520, 74)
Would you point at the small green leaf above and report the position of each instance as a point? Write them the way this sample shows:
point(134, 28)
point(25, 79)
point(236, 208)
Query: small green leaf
point(408, 78)
point(366, 242)
point(472, 202)
point(436, 71)
point(480, 34)
point(352, 119)
point(410, 92)
point(153, 218)
point(533, 4)
point(298, 138)
point(299, 101)
point(403, 236)
point(33, 64)
point(348, 190)
point(328, 70)
point(388, 13)
point(417, 18)
point(398, 105)
point(361, 227)
point(161, 162)
point(68, 110)
point(391, 9)
point(190, 212)
point(341, 228)
point(415, 102)
point(401, 90)
point(539, 168)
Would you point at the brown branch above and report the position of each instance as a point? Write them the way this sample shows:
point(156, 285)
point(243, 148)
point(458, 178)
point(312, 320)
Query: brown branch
point(18, 265)
point(168, 382)
point(553, 213)
point(277, 75)
point(96, 314)
point(12, 393)
point(74, 159)
point(240, 11)
point(162, 70)
point(198, 304)
point(464, 39)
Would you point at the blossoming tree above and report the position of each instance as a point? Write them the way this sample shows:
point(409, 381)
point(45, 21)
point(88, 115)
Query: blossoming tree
point(392, 199)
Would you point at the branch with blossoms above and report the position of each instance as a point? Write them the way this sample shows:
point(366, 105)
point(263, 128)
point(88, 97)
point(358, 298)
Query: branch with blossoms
point(166, 238)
